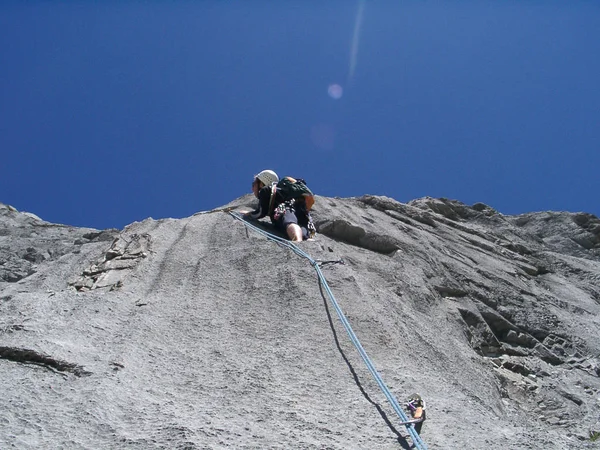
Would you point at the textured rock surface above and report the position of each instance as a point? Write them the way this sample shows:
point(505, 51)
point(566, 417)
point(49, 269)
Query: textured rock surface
point(197, 333)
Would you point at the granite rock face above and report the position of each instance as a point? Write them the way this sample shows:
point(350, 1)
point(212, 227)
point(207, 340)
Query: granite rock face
point(200, 333)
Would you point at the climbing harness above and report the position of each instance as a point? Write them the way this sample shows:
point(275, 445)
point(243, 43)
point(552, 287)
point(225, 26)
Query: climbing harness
point(312, 230)
point(418, 442)
point(295, 207)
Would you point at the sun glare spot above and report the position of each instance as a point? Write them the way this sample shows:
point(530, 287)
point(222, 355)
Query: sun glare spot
point(323, 136)
point(335, 91)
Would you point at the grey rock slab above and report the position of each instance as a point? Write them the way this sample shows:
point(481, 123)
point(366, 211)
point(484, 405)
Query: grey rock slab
point(200, 333)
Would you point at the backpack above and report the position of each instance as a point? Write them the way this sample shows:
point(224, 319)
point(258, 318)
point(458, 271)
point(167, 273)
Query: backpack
point(289, 188)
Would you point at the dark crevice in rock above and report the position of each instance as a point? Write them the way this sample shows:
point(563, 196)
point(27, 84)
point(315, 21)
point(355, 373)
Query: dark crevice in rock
point(48, 225)
point(516, 368)
point(490, 334)
point(450, 291)
point(470, 318)
point(481, 245)
point(589, 365)
point(544, 353)
point(459, 257)
point(398, 216)
point(368, 219)
point(505, 330)
point(543, 270)
point(517, 248)
point(102, 236)
point(27, 356)
point(33, 256)
point(595, 295)
point(528, 269)
point(560, 345)
point(480, 207)
point(424, 219)
point(13, 274)
point(344, 231)
point(486, 300)
point(91, 236)
point(591, 225)
point(567, 306)
point(480, 337)
point(570, 396)
point(514, 351)
point(12, 328)
point(584, 241)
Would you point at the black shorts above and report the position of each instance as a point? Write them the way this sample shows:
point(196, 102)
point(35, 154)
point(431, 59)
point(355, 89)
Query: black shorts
point(290, 216)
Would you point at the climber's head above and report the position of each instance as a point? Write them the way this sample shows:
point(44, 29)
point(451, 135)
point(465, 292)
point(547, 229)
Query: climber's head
point(264, 178)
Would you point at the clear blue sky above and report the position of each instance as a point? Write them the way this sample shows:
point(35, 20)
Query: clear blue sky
point(114, 111)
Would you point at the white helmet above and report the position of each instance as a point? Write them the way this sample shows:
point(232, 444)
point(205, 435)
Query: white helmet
point(268, 177)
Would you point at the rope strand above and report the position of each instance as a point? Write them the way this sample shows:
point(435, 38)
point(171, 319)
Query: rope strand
point(404, 420)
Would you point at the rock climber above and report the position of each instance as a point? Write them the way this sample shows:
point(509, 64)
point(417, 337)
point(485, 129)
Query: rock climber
point(288, 216)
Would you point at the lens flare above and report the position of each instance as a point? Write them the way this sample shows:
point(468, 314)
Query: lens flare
point(335, 91)
point(355, 40)
point(323, 136)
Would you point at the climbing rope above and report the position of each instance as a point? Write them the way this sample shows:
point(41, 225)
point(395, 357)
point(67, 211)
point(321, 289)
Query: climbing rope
point(404, 420)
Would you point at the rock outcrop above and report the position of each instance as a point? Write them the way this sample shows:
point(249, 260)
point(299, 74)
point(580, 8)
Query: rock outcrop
point(200, 333)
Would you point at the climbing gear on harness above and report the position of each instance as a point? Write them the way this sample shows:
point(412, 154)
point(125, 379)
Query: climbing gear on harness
point(312, 231)
point(418, 442)
point(279, 211)
point(416, 407)
point(297, 208)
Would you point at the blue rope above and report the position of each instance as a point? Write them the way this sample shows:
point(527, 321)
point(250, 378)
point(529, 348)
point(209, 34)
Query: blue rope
point(419, 444)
